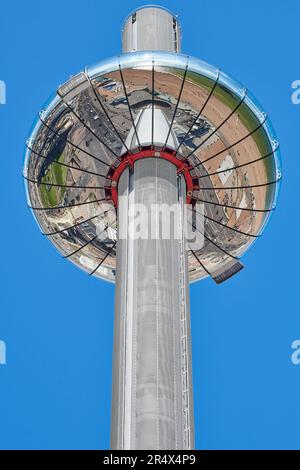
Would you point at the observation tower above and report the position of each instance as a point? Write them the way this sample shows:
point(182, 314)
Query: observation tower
point(152, 128)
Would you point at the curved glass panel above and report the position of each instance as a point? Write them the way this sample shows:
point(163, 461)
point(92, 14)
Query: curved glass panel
point(107, 65)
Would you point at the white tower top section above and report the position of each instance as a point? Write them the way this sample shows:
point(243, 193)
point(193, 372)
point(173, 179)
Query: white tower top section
point(151, 28)
point(151, 124)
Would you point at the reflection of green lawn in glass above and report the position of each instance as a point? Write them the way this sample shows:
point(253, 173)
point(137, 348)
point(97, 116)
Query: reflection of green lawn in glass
point(57, 174)
point(247, 117)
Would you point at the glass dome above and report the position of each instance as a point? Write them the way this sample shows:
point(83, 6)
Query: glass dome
point(81, 135)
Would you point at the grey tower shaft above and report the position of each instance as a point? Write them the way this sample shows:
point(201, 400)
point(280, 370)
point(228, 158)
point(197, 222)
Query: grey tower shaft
point(152, 404)
point(151, 28)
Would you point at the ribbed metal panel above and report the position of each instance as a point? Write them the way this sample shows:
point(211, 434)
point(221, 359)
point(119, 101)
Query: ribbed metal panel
point(151, 28)
point(152, 393)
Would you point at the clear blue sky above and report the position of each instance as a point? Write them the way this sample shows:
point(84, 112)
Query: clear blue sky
point(58, 323)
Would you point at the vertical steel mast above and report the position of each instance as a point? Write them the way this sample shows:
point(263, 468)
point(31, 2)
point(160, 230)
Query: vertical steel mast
point(152, 401)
